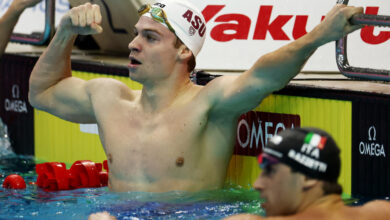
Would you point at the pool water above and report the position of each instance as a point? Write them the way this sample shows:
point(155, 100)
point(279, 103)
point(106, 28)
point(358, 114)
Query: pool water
point(34, 203)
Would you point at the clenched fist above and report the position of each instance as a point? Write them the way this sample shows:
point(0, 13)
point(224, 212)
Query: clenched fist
point(83, 19)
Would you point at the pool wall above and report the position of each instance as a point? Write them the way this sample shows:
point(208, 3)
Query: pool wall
point(359, 122)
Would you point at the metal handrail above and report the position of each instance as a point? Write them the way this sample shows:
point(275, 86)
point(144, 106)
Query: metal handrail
point(341, 49)
point(48, 32)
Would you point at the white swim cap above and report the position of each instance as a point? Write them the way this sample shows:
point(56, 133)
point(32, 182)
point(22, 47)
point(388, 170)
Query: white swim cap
point(186, 20)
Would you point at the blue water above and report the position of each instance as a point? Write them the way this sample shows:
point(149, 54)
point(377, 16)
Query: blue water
point(34, 203)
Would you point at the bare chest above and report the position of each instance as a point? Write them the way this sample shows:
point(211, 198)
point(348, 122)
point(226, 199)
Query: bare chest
point(145, 147)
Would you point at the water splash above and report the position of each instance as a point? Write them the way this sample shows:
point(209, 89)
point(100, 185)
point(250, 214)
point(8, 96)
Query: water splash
point(5, 143)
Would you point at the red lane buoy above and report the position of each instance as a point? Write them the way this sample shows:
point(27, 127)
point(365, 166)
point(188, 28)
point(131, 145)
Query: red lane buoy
point(14, 181)
point(53, 176)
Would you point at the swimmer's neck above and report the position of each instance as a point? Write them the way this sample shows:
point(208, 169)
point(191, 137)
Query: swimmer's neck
point(317, 199)
point(158, 96)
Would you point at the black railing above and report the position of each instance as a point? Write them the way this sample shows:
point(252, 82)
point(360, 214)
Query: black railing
point(39, 38)
point(341, 49)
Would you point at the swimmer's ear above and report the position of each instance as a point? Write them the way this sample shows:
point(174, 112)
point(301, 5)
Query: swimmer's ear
point(183, 53)
point(309, 183)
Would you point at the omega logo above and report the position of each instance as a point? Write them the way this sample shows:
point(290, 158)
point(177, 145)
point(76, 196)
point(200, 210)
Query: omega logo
point(15, 91)
point(372, 148)
point(15, 104)
point(372, 128)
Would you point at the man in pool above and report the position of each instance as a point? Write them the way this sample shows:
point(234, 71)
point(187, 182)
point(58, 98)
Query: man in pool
point(299, 180)
point(10, 18)
point(172, 135)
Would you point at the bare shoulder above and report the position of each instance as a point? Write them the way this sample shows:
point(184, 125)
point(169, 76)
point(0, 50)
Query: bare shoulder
point(98, 83)
point(244, 217)
point(378, 209)
point(211, 96)
point(377, 205)
point(216, 89)
point(108, 86)
point(220, 82)
point(233, 95)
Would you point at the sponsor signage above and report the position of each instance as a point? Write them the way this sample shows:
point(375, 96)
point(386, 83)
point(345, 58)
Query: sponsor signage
point(239, 32)
point(15, 110)
point(15, 103)
point(249, 29)
point(254, 129)
point(371, 148)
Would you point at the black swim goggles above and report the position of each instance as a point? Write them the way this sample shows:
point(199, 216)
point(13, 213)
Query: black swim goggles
point(265, 160)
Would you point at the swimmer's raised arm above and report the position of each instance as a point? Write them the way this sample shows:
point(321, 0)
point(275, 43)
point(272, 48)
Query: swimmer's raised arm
point(10, 18)
point(239, 94)
point(52, 87)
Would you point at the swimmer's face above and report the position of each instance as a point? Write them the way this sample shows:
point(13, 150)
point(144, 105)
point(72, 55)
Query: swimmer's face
point(152, 52)
point(280, 188)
